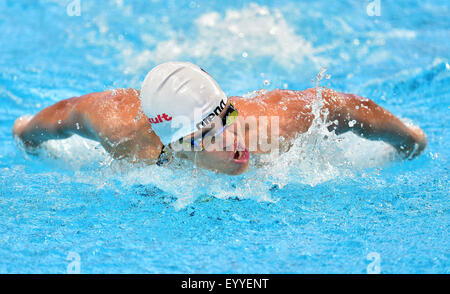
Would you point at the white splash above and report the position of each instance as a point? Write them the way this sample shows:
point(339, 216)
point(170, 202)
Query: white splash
point(253, 31)
point(315, 157)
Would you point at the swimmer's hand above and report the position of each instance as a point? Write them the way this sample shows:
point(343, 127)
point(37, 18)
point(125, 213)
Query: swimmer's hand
point(410, 151)
point(17, 131)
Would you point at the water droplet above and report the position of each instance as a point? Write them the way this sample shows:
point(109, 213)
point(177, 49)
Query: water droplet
point(245, 54)
point(321, 73)
point(266, 82)
point(59, 122)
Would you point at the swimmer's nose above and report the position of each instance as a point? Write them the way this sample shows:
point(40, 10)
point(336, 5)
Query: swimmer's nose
point(233, 139)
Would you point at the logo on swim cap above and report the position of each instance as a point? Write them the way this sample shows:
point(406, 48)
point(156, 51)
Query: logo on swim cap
point(191, 96)
point(212, 115)
point(159, 118)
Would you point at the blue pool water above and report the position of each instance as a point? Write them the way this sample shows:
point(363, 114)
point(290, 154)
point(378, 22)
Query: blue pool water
point(320, 208)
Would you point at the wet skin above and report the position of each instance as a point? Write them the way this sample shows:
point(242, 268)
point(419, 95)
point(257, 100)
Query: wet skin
point(114, 119)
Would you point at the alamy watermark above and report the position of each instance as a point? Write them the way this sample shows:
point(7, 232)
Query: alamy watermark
point(374, 8)
point(375, 266)
point(74, 267)
point(74, 8)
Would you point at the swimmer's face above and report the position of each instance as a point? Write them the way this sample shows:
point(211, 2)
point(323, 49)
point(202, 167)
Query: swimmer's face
point(224, 152)
point(227, 153)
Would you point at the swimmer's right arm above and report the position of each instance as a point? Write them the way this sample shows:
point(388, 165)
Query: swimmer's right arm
point(58, 121)
point(109, 118)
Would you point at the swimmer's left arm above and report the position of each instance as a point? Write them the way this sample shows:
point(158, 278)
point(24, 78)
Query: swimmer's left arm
point(369, 120)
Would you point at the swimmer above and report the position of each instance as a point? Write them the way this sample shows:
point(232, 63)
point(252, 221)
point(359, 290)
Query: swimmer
point(181, 112)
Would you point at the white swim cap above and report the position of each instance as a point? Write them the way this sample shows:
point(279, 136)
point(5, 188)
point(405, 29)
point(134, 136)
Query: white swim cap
point(180, 98)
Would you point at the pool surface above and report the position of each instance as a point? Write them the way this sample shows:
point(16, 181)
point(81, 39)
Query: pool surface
point(329, 205)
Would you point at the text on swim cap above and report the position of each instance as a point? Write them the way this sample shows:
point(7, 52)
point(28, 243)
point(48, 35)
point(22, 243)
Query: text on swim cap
point(159, 118)
point(212, 115)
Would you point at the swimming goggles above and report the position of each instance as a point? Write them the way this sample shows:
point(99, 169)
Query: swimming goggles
point(197, 142)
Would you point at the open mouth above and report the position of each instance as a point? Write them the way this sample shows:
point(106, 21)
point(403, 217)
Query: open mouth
point(241, 156)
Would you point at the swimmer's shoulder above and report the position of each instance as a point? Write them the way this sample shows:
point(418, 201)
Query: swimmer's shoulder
point(285, 95)
point(112, 111)
point(114, 100)
point(128, 95)
point(113, 95)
